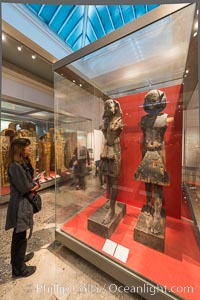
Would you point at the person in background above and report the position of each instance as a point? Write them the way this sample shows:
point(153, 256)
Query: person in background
point(79, 160)
point(99, 174)
point(20, 210)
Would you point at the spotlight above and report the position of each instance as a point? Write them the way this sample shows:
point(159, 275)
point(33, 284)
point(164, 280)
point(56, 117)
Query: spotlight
point(196, 25)
point(19, 48)
point(3, 37)
point(74, 81)
point(195, 34)
point(80, 85)
point(33, 56)
point(187, 71)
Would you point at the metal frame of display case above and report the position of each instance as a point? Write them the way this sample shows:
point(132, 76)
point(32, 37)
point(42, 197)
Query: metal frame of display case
point(106, 264)
point(194, 207)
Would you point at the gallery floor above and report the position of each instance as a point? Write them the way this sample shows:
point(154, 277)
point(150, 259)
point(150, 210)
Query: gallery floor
point(60, 274)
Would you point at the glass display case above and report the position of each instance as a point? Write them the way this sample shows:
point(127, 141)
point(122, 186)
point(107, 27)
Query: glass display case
point(20, 119)
point(132, 217)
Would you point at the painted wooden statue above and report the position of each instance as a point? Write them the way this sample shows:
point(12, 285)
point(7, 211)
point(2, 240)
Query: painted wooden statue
point(111, 155)
point(152, 169)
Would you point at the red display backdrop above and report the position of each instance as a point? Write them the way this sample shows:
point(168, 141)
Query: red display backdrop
point(132, 191)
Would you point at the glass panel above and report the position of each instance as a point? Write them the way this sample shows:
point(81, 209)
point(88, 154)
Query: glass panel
point(191, 162)
point(129, 209)
point(42, 115)
point(74, 138)
point(154, 54)
point(18, 121)
point(16, 108)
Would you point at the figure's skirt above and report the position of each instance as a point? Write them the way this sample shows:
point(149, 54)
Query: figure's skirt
point(152, 169)
point(111, 160)
point(110, 167)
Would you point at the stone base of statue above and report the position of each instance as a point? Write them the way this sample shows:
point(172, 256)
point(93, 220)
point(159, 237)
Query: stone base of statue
point(95, 220)
point(143, 234)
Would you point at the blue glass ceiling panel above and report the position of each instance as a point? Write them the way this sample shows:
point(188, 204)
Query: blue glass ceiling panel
point(60, 16)
point(79, 25)
point(87, 41)
point(74, 36)
point(140, 10)
point(105, 18)
point(91, 34)
point(71, 21)
point(127, 11)
point(34, 7)
point(95, 22)
point(116, 16)
point(77, 44)
point(151, 6)
point(47, 11)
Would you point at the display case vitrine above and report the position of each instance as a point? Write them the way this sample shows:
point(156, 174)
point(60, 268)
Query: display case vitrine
point(137, 86)
point(19, 119)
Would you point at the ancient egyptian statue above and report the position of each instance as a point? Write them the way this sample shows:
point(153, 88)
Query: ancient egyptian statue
point(152, 169)
point(111, 155)
point(44, 151)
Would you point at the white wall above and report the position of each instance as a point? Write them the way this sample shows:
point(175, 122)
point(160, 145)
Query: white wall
point(18, 86)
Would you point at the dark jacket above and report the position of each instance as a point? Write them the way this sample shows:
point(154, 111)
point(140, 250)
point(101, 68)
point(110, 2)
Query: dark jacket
point(81, 158)
point(20, 210)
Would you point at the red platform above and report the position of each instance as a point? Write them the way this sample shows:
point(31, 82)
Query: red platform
point(179, 265)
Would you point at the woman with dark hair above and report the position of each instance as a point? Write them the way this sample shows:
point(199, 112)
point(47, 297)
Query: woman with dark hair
point(20, 210)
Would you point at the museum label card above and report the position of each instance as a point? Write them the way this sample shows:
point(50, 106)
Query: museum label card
point(109, 247)
point(121, 253)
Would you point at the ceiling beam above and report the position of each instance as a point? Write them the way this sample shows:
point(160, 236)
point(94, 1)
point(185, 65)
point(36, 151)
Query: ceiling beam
point(85, 24)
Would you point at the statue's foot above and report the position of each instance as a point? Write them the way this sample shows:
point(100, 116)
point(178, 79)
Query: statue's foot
point(107, 206)
point(147, 210)
point(156, 226)
point(103, 186)
point(110, 214)
point(155, 231)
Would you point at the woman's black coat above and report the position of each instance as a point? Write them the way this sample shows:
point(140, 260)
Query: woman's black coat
point(20, 210)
